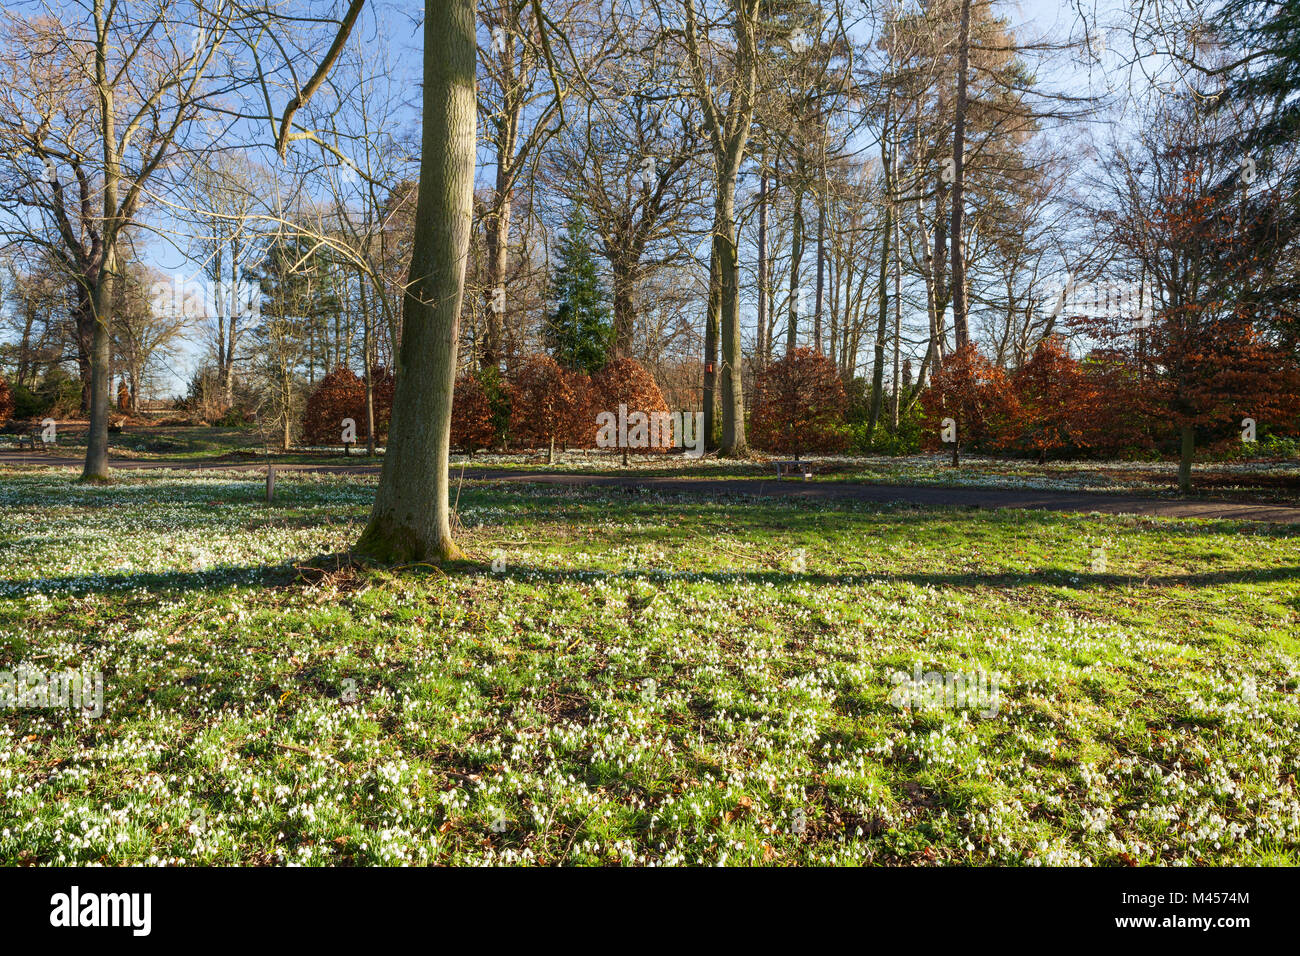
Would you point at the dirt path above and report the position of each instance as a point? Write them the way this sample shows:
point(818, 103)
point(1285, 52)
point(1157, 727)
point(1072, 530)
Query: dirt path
point(923, 495)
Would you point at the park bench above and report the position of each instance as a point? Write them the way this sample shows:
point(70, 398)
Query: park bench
point(784, 468)
point(34, 437)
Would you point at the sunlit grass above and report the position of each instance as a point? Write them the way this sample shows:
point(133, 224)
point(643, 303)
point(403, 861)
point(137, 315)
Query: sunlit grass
point(648, 679)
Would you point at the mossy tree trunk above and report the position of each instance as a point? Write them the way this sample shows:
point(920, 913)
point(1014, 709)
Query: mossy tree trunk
point(410, 520)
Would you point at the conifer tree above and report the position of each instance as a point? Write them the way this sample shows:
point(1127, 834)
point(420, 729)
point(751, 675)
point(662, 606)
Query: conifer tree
point(579, 330)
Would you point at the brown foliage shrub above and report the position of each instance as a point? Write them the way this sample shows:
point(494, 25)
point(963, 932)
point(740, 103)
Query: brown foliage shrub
point(1117, 419)
point(1054, 402)
point(342, 394)
point(6, 402)
point(799, 405)
point(580, 431)
point(623, 381)
point(977, 395)
point(541, 403)
point(471, 415)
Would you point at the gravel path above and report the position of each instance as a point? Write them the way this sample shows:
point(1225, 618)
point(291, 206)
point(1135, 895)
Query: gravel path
point(923, 495)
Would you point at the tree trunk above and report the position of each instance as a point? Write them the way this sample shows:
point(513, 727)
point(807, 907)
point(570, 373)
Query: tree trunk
point(796, 260)
point(410, 520)
point(624, 311)
point(763, 348)
point(368, 364)
point(882, 317)
point(898, 301)
point(504, 138)
point(821, 274)
point(286, 407)
point(711, 325)
point(724, 245)
point(96, 466)
point(959, 323)
point(228, 360)
point(83, 321)
point(497, 229)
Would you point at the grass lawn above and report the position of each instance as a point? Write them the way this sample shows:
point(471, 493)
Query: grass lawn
point(629, 678)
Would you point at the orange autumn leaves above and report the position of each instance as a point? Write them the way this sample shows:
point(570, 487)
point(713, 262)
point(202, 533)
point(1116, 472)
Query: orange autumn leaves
point(549, 404)
point(1106, 406)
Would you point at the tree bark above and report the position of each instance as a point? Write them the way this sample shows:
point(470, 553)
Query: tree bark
point(711, 325)
point(497, 228)
point(410, 520)
point(898, 291)
point(882, 316)
point(724, 245)
point(228, 347)
point(821, 273)
point(368, 363)
point(624, 310)
point(763, 348)
point(96, 466)
point(959, 320)
point(796, 260)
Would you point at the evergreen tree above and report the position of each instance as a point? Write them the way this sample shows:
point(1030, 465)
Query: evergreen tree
point(1261, 82)
point(1264, 36)
point(579, 331)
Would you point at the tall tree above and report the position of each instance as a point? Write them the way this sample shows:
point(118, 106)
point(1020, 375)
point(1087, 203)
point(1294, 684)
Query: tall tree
point(724, 87)
point(107, 93)
point(631, 160)
point(410, 519)
point(578, 330)
point(520, 101)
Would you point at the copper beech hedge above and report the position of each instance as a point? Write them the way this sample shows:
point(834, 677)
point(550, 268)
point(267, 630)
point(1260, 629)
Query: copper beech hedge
point(551, 405)
point(340, 395)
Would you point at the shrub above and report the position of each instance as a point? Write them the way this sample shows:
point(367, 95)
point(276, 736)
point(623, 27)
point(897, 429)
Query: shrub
point(1054, 402)
point(472, 425)
point(60, 394)
point(27, 403)
point(580, 431)
point(623, 381)
point(977, 396)
point(497, 391)
point(541, 403)
point(904, 440)
point(6, 402)
point(799, 405)
point(342, 394)
point(1117, 420)
point(233, 417)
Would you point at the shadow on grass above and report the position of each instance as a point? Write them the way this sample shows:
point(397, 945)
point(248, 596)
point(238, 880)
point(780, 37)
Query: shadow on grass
point(162, 584)
point(157, 583)
point(1048, 577)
